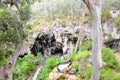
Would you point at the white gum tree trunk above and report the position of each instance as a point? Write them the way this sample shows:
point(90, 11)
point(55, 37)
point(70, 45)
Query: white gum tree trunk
point(95, 12)
point(97, 43)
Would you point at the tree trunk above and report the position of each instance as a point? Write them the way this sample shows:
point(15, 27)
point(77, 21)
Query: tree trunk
point(6, 71)
point(95, 12)
point(97, 42)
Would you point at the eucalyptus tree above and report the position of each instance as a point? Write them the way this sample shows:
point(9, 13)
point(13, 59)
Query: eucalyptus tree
point(12, 39)
point(94, 7)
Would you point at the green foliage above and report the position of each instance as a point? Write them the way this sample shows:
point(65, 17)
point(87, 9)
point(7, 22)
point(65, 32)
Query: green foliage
point(27, 12)
point(109, 74)
point(50, 63)
point(87, 73)
point(117, 21)
point(118, 67)
point(87, 45)
point(74, 65)
point(11, 33)
point(105, 15)
point(109, 58)
point(80, 55)
point(3, 60)
point(25, 65)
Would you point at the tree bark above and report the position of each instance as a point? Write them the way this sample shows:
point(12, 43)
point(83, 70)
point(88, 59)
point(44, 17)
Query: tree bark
point(6, 71)
point(95, 12)
point(97, 43)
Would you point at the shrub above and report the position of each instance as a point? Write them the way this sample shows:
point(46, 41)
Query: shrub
point(109, 58)
point(50, 63)
point(11, 33)
point(108, 74)
point(25, 65)
point(80, 55)
point(87, 73)
point(87, 45)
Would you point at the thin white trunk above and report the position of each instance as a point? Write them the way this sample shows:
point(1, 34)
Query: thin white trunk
point(95, 12)
point(97, 42)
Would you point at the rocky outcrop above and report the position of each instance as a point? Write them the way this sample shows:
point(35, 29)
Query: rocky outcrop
point(114, 44)
point(55, 41)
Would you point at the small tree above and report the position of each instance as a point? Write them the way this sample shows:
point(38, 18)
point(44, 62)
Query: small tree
point(12, 41)
point(95, 12)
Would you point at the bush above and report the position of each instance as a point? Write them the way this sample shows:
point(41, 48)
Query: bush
point(87, 45)
point(50, 63)
point(87, 73)
point(109, 58)
point(25, 65)
point(80, 55)
point(109, 74)
point(11, 33)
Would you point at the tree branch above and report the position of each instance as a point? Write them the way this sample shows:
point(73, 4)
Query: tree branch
point(89, 3)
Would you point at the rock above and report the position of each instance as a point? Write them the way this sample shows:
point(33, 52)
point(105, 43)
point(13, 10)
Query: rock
point(56, 41)
point(64, 66)
point(56, 75)
point(114, 44)
point(22, 55)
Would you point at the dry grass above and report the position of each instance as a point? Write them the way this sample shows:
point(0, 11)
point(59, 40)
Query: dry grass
point(117, 55)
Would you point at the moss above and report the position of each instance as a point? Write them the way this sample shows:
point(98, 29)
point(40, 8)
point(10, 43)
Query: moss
point(87, 45)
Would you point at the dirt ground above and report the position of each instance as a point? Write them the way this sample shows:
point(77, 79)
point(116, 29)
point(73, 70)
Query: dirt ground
point(118, 56)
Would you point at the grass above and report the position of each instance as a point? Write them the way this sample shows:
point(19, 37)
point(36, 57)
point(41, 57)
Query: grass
point(109, 74)
point(50, 63)
point(80, 55)
point(24, 66)
point(109, 58)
